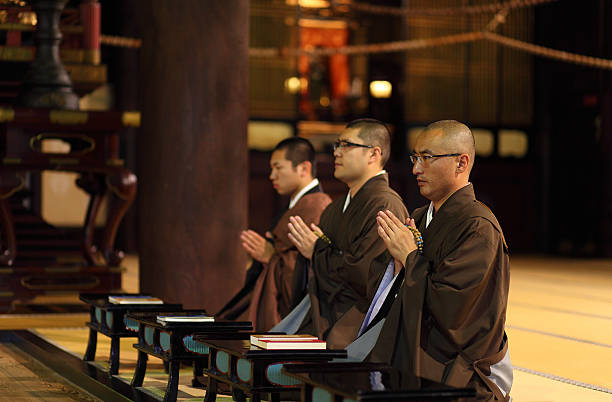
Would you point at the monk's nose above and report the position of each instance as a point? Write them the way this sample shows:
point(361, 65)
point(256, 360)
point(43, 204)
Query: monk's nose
point(416, 169)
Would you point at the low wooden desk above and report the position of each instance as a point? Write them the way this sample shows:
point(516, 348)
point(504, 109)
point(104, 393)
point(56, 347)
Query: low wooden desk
point(173, 343)
point(254, 371)
point(108, 319)
point(373, 382)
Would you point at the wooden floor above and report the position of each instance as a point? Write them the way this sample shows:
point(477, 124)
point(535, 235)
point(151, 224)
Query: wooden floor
point(559, 324)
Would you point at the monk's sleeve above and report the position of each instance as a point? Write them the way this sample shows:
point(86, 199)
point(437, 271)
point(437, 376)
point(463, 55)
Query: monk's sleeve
point(352, 264)
point(459, 291)
point(309, 208)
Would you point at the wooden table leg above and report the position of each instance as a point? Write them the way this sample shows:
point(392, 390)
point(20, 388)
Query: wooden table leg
point(114, 355)
point(90, 353)
point(198, 371)
point(238, 395)
point(211, 390)
point(8, 239)
point(122, 187)
point(141, 369)
point(92, 184)
point(173, 380)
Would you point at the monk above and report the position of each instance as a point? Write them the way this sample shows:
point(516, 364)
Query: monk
point(271, 287)
point(342, 247)
point(450, 268)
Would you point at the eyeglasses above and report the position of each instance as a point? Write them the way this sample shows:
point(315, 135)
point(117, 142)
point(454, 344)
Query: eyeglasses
point(345, 144)
point(425, 159)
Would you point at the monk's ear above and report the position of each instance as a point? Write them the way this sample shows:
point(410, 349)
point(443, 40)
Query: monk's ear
point(305, 168)
point(377, 153)
point(463, 163)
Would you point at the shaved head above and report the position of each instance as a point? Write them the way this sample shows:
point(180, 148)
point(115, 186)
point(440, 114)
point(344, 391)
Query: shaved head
point(374, 132)
point(455, 137)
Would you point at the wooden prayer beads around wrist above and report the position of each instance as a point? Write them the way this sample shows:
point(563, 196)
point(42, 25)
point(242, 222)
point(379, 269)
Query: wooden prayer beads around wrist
point(323, 237)
point(418, 238)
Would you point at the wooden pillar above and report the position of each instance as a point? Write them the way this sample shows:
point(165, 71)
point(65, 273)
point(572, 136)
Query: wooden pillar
point(90, 19)
point(192, 152)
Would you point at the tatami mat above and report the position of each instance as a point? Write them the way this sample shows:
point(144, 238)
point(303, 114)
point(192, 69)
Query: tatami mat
point(534, 388)
point(559, 324)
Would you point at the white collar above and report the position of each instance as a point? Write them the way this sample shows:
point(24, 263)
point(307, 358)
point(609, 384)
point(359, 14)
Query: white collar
point(347, 201)
point(430, 213)
point(310, 186)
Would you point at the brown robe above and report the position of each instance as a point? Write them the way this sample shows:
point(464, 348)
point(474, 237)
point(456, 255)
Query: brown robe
point(338, 287)
point(447, 323)
point(272, 296)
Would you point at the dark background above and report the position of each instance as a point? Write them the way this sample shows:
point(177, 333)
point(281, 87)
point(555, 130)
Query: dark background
point(557, 199)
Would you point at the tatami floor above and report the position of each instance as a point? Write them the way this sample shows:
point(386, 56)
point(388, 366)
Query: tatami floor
point(559, 324)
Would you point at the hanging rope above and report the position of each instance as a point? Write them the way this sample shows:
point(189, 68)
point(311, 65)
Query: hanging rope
point(408, 45)
point(388, 47)
point(542, 51)
point(449, 11)
point(498, 19)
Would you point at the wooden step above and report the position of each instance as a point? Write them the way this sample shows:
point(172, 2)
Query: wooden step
point(42, 233)
point(25, 254)
point(48, 242)
point(61, 269)
point(27, 218)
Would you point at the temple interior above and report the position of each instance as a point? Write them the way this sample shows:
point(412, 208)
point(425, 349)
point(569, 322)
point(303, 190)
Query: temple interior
point(136, 139)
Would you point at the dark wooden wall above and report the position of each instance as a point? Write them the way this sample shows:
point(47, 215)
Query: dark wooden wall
point(192, 153)
point(573, 126)
point(605, 18)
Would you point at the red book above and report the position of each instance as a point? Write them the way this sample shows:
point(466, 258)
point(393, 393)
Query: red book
point(280, 342)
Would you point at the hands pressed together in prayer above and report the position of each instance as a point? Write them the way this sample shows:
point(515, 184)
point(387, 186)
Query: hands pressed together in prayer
point(257, 246)
point(302, 236)
point(397, 237)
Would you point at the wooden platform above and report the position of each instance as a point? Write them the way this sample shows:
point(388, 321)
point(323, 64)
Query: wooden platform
point(559, 326)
